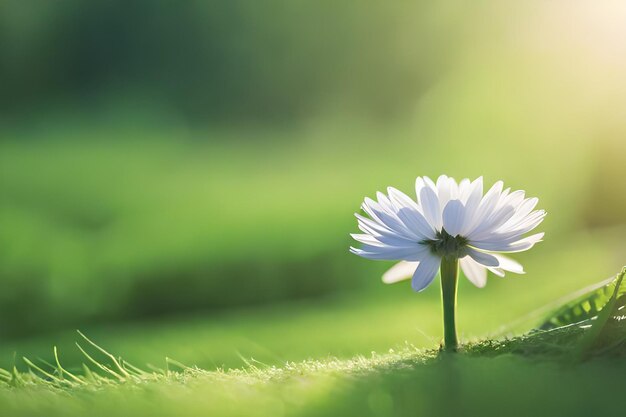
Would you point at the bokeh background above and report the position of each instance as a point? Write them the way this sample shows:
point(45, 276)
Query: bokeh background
point(180, 178)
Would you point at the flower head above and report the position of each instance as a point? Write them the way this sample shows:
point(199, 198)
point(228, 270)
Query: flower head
point(452, 220)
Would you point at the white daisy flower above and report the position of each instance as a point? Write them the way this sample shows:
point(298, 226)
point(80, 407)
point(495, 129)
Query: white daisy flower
point(448, 220)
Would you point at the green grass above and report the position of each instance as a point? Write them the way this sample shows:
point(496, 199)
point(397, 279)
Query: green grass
point(528, 375)
point(394, 384)
point(404, 383)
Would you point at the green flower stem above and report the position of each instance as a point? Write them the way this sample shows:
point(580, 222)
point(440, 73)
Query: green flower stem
point(449, 280)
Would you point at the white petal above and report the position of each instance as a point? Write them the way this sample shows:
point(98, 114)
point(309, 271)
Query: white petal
point(522, 215)
point(497, 271)
point(514, 234)
point(425, 272)
point(483, 258)
point(454, 189)
point(465, 188)
point(444, 190)
point(515, 199)
point(526, 243)
point(415, 221)
point(371, 207)
point(392, 253)
point(373, 227)
point(399, 272)
point(523, 225)
point(485, 208)
point(409, 213)
point(400, 199)
point(518, 246)
point(493, 195)
point(453, 217)
point(475, 272)
point(366, 238)
point(430, 183)
point(509, 264)
point(419, 184)
point(489, 225)
point(384, 214)
point(430, 205)
point(383, 241)
point(471, 196)
point(385, 203)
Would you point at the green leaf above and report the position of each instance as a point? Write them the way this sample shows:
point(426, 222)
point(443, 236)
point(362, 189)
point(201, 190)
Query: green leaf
point(598, 317)
point(587, 307)
point(600, 323)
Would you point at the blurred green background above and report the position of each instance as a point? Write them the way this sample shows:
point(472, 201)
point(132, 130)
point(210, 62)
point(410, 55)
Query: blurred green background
point(179, 178)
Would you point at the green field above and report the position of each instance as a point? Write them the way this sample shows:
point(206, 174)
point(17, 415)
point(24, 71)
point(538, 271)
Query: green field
point(401, 381)
point(127, 225)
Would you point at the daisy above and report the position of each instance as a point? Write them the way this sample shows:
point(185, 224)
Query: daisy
point(450, 224)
